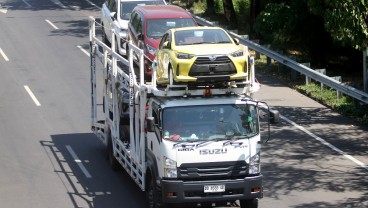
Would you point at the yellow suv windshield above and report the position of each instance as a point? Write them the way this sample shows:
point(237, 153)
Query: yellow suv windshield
point(207, 36)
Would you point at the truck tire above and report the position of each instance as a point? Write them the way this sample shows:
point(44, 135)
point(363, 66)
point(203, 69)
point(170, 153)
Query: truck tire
point(104, 38)
point(103, 104)
point(116, 46)
point(153, 196)
point(114, 164)
point(124, 133)
point(249, 203)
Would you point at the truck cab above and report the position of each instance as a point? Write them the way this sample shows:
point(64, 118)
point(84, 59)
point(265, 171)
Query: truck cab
point(205, 149)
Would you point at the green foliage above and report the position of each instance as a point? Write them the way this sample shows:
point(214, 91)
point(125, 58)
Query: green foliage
point(199, 7)
point(242, 8)
point(219, 7)
point(345, 20)
point(285, 24)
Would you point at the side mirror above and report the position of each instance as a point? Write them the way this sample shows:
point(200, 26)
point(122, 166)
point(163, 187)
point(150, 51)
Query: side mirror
point(167, 45)
point(113, 15)
point(236, 40)
point(274, 116)
point(150, 121)
point(140, 36)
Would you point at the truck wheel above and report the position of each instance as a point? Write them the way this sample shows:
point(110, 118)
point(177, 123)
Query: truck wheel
point(104, 38)
point(153, 195)
point(114, 164)
point(124, 133)
point(103, 104)
point(127, 50)
point(117, 46)
point(249, 203)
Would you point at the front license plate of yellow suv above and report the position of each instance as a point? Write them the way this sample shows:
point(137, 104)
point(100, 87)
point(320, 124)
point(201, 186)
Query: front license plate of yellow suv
point(214, 188)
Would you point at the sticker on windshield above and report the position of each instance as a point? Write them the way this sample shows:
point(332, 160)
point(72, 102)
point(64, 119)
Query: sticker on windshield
point(198, 33)
point(170, 24)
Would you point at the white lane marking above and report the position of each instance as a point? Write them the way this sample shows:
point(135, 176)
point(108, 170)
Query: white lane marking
point(57, 2)
point(28, 5)
point(32, 95)
point(83, 50)
point(48, 21)
point(78, 161)
point(91, 3)
point(4, 55)
point(325, 143)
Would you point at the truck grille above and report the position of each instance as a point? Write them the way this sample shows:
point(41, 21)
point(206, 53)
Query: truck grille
point(215, 170)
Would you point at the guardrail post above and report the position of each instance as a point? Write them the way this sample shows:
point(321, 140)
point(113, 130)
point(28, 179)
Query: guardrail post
point(258, 55)
point(307, 79)
point(294, 73)
point(338, 93)
point(269, 60)
point(322, 71)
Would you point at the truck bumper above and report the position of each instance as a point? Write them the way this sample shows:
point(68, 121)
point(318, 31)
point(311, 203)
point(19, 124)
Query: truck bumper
point(177, 191)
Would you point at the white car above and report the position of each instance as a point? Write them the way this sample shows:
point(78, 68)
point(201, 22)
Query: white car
point(115, 15)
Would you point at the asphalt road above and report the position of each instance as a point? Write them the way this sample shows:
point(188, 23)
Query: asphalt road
point(50, 158)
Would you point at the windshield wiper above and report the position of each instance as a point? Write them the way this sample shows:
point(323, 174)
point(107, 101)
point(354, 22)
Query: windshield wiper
point(201, 143)
point(223, 42)
point(232, 143)
point(184, 144)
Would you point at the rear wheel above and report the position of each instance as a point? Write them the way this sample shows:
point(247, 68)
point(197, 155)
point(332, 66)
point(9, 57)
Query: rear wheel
point(104, 38)
point(113, 162)
point(127, 51)
point(124, 132)
point(249, 203)
point(116, 46)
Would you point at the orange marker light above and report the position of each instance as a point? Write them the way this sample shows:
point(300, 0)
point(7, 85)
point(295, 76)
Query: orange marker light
point(207, 92)
point(256, 189)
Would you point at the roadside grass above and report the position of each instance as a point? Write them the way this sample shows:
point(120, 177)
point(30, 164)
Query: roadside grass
point(344, 105)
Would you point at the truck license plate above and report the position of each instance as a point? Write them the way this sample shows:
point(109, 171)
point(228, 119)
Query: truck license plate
point(214, 188)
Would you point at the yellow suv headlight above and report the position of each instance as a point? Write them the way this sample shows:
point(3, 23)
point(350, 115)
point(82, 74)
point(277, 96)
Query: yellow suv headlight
point(237, 53)
point(184, 55)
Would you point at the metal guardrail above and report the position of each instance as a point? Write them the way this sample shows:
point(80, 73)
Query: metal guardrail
point(341, 87)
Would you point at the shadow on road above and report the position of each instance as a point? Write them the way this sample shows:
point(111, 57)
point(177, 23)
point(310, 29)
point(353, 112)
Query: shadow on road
point(105, 188)
point(298, 166)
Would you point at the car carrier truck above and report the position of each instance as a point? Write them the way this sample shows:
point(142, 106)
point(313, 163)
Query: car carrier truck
point(182, 145)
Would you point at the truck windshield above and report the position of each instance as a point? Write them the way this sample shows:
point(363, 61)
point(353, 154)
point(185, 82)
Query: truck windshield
point(210, 123)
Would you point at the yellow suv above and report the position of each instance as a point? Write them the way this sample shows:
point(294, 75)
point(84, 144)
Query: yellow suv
point(200, 54)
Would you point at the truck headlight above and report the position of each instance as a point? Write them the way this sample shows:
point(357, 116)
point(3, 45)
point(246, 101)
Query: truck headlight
point(237, 53)
point(170, 170)
point(255, 164)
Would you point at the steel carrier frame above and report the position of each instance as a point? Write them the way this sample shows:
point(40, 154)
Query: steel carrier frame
point(132, 158)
